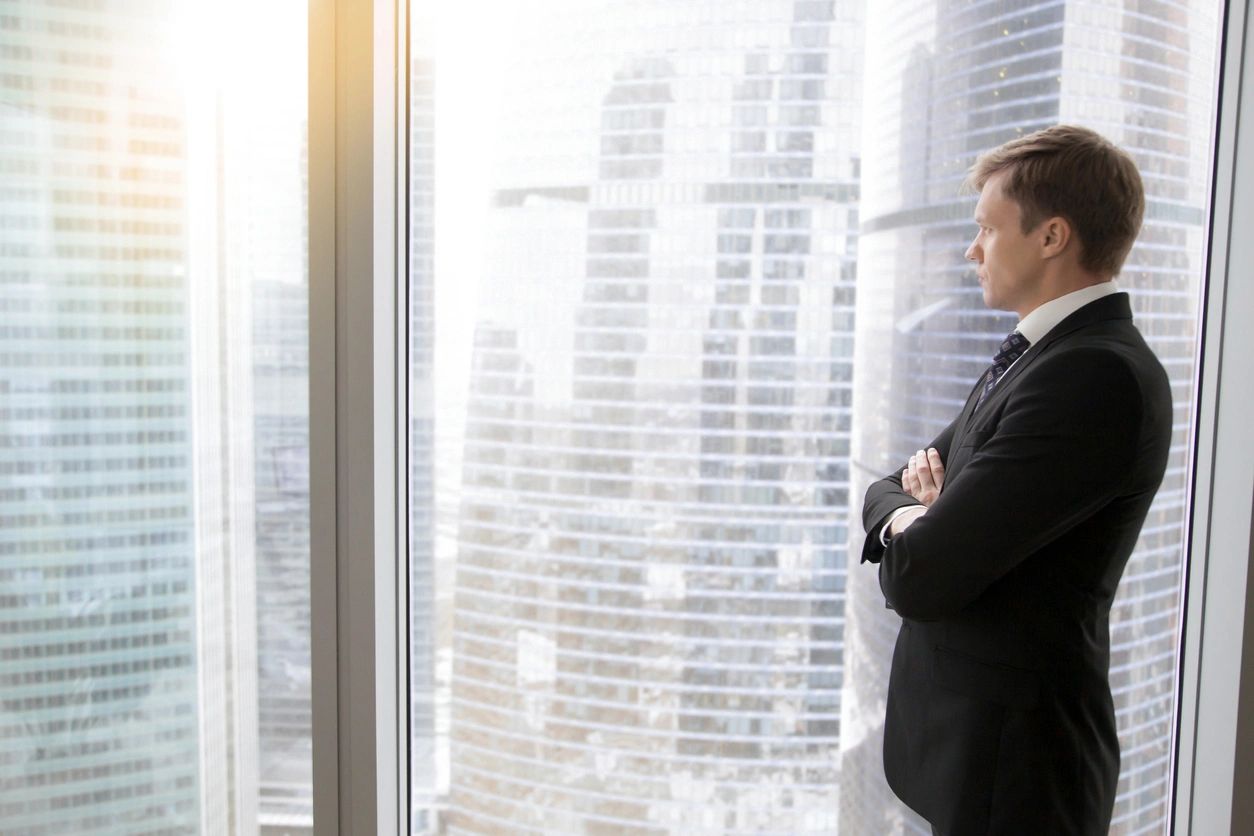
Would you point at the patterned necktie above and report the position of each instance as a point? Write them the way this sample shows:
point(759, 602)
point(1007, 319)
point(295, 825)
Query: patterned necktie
point(1013, 346)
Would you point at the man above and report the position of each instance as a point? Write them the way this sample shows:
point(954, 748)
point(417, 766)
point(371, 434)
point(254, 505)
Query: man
point(1002, 543)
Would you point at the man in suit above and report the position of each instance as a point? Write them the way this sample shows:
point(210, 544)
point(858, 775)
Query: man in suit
point(1001, 544)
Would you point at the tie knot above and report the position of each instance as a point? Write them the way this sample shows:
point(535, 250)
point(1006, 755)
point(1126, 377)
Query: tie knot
point(1011, 347)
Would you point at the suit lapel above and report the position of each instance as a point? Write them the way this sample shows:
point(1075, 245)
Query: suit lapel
point(964, 419)
point(1114, 306)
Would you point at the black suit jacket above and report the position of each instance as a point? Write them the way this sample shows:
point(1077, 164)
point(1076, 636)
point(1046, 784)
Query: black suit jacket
point(999, 716)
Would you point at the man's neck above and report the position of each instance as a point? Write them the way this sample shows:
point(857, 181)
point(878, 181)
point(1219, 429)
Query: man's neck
point(1044, 317)
point(1063, 285)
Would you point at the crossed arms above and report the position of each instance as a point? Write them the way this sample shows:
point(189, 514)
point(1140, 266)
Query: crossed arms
point(1062, 448)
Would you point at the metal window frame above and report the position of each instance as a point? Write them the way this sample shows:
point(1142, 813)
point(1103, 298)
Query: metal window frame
point(358, 205)
point(1214, 747)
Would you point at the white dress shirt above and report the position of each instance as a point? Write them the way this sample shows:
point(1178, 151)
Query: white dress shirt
point(1033, 327)
point(1041, 321)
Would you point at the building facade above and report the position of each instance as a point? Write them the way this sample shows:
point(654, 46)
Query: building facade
point(99, 704)
point(648, 605)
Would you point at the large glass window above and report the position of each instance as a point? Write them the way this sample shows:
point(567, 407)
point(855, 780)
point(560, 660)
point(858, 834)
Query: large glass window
point(154, 606)
point(666, 237)
point(650, 247)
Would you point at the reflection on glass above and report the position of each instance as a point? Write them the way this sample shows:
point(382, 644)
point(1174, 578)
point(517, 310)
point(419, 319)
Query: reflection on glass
point(153, 451)
point(674, 393)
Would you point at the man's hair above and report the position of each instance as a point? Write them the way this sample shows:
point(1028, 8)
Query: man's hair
point(1077, 174)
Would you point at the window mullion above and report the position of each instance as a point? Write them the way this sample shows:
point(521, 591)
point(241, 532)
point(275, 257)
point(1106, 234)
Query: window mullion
point(1214, 753)
point(357, 447)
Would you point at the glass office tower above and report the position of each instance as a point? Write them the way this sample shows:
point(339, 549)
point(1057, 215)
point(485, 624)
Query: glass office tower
point(423, 778)
point(281, 437)
point(954, 79)
point(154, 453)
point(98, 609)
point(256, 171)
point(648, 606)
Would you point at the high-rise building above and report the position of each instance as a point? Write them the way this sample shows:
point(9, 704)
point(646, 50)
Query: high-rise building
point(954, 79)
point(281, 439)
point(648, 611)
point(99, 719)
point(219, 381)
point(261, 175)
point(423, 775)
point(152, 363)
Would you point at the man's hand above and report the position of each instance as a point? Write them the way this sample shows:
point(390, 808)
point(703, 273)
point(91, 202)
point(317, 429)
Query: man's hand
point(923, 478)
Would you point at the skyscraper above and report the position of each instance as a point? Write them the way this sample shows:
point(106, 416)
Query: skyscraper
point(648, 602)
point(281, 438)
point(98, 695)
point(262, 177)
point(423, 778)
point(154, 206)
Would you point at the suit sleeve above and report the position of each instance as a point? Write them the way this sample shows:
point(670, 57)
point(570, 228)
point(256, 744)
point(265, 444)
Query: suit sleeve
point(1065, 446)
point(887, 495)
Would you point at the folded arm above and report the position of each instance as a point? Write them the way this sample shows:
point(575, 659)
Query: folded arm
point(1064, 447)
point(885, 497)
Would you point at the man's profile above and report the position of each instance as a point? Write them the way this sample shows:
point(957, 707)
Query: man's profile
point(1002, 543)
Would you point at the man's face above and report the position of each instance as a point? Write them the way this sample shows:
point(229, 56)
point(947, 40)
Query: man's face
point(1007, 261)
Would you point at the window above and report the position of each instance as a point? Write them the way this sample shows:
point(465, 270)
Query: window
point(154, 529)
point(654, 423)
point(521, 498)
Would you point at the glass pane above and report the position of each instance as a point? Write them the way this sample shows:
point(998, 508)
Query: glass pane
point(424, 793)
point(1145, 79)
point(154, 560)
point(698, 279)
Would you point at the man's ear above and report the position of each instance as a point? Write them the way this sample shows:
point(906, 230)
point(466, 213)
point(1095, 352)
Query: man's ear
point(1054, 236)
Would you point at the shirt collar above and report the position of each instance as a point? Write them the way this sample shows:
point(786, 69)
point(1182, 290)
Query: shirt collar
point(1043, 319)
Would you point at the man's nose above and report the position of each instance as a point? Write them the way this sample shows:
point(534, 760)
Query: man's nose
point(972, 253)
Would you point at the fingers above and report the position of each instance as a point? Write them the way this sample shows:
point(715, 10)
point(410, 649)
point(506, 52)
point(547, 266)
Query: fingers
point(924, 476)
point(921, 468)
point(910, 482)
point(937, 466)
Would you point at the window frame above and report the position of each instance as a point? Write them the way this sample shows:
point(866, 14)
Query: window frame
point(358, 438)
point(1213, 755)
